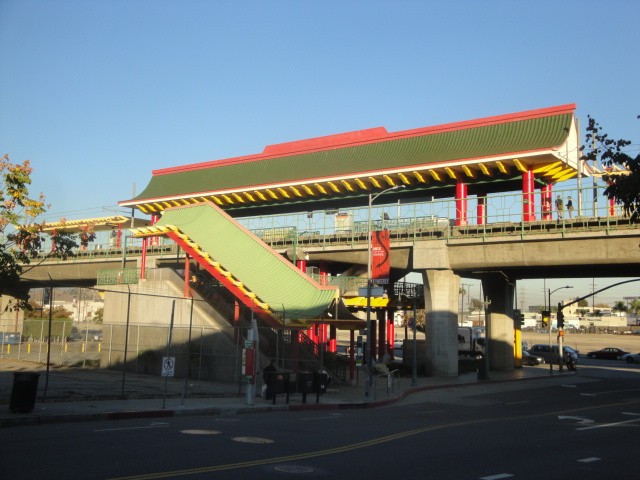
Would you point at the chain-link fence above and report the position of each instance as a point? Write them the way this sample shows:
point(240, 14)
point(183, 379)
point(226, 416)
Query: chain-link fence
point(150, 342)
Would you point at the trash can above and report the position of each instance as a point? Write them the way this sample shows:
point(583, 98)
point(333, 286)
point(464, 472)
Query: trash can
point(277, 384)
point(23, 392)
point(305, 384)
point(320, 382)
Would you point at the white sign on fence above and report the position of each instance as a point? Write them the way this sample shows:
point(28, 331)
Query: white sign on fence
point(168, 366)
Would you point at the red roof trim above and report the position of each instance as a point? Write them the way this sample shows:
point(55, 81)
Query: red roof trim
point(368, 136)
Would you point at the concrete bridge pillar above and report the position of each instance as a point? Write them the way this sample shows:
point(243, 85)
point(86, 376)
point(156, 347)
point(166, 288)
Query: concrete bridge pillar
point(441, 288)
point(499, 290)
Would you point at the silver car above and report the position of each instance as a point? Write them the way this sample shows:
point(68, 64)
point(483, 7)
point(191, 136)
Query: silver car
point(631, 357)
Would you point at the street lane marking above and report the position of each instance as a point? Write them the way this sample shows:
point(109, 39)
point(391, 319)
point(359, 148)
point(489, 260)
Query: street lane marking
point(252, 440)
point(497, 477)
point(606, 425)
point(589, 459)
point(130, 428)
point(580, 420)
point(344, 448)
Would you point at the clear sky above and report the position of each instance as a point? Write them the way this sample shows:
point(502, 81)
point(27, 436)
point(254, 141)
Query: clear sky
point(99, 93)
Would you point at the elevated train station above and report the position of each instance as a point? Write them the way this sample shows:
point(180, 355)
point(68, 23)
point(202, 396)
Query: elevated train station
point(202, 207)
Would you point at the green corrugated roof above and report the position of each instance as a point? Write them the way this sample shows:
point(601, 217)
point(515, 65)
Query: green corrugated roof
point(484, 141)
point(263, 271)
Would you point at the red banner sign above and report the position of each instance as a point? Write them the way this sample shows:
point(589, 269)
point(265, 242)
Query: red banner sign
point(380, 256)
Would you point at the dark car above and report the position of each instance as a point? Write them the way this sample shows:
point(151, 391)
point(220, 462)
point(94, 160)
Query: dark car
point(608, 353)
point(529, 359)
point(550, 353)
point(75, 337)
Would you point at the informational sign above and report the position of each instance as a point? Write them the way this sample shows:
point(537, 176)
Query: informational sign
point(380, 256)
point(168, 366)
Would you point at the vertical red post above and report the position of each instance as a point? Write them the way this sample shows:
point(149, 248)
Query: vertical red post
point(352, 355)
point(302, 265)
point(528, 199)
point(333, 339)
point(462, 203)
point(390, 336)
point(187, 268)
point(545, 202)
point(382, 333)
point(481, 210)
point(373, 340)
point(143, 260)
point(612, 207)
point(236, 320)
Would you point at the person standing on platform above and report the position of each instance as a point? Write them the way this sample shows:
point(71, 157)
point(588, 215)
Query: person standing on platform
point(570, 207)
point(559, 207)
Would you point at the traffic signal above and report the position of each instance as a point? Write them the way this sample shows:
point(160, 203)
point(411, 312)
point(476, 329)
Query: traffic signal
point(560, 317)
point(546, 318)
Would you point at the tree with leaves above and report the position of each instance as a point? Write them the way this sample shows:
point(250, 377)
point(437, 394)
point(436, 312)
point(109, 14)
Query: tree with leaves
point(623, 186)
point(21, 237)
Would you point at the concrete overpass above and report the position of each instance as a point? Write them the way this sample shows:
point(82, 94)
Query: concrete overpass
point(497, 254)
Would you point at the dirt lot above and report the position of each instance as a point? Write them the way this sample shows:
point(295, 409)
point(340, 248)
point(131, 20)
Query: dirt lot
point(586, 342)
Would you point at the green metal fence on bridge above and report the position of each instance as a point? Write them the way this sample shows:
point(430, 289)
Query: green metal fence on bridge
point(410, 222)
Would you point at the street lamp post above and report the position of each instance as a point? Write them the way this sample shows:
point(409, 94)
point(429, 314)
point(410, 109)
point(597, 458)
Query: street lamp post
point(369, 357)
point(550, 349)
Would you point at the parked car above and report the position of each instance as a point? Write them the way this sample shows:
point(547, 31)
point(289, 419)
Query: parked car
point(529, 359)
point(75, 337)
point(550, 354)
point(9, 338)
point(631, 357)
point(607, 353)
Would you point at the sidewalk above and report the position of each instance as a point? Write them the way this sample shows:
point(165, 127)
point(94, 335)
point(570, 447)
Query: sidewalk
point(227, 400)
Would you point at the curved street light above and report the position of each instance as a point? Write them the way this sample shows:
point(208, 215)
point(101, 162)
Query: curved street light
point(369, 358)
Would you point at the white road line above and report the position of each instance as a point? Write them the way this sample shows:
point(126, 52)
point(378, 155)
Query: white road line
point(497, 477)
point(606, 425)
point(589, 459)
point(130, 428)
point(519, 403)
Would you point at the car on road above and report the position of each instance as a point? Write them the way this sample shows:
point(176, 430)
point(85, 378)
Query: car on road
point(607, 353)
point(550, 352)
point(631, 357)
point(530, 359)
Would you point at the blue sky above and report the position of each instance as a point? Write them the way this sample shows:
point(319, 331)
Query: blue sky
point(97, 94)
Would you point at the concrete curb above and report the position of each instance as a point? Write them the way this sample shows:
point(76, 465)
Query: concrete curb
point(53, 418)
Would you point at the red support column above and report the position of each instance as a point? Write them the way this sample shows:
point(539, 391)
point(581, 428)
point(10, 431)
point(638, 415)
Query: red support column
point(302, 265)
point(528, 199)
point(333, 339)
point(390, 336)
point(481, 210)
point(382, 332)
point(545, 202)
point(373, 340)
point(461, 204)
point(236, 320)
point(612, 207)
point(143, 260)
point(352, 355)
point(187, 267)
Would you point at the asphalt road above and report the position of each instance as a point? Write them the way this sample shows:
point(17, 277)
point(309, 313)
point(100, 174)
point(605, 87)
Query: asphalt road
point(581, 426)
